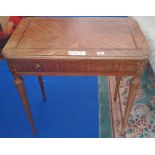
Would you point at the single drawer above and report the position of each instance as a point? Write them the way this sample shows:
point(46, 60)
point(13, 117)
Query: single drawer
point(75, 66)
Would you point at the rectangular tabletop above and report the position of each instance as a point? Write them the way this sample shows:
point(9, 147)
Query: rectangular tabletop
point(74, 38)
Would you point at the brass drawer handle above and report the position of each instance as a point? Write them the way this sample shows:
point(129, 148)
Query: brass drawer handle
point(38, 67)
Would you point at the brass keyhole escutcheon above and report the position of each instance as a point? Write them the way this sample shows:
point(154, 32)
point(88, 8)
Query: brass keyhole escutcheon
point(38, 67)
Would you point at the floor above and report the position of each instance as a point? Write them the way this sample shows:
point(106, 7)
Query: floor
point(71, 110)
point(141, 123)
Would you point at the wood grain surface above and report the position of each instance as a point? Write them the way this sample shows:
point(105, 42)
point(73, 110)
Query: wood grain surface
point(119, 38)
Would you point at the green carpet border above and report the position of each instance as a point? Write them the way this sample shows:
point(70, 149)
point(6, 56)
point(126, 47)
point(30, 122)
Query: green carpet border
point(105, 126)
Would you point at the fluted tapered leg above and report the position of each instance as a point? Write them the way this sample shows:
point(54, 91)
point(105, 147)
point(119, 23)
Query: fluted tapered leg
point(19, 82)
point(131, 96)
point(42, 87)
point(118, 79)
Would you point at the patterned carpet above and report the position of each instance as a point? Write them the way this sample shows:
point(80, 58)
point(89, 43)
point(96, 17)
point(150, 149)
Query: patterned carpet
point(142, 119)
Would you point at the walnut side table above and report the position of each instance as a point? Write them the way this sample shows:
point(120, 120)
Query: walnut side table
point(77, 46)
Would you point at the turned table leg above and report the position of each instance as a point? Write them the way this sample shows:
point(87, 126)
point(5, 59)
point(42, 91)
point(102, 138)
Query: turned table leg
point(19, 82)
point(42, 87)
point(118, 79)
point(131, 96)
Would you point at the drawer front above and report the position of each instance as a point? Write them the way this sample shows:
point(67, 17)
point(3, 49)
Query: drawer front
point(75, 66)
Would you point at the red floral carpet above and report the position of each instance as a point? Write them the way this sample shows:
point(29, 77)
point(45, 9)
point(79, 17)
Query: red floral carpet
point(142, 119)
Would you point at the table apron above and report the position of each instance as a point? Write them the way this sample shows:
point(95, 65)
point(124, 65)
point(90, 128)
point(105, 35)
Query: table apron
point(76, 67)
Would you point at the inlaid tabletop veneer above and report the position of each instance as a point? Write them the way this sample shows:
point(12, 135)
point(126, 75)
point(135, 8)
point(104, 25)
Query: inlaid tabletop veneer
point(77, 46)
